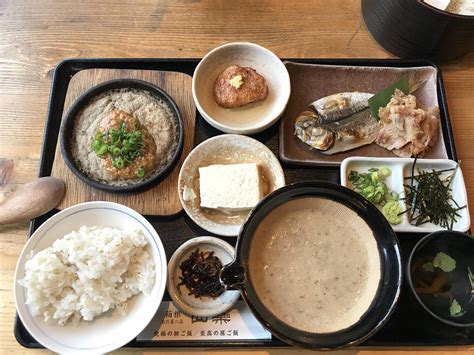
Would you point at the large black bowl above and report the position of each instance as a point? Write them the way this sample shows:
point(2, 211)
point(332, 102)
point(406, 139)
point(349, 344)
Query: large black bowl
point(235, 275)
point(415, 29)
point(67, 128)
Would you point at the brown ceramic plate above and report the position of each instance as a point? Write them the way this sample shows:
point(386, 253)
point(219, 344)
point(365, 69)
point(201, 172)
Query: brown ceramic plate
point(310, 82)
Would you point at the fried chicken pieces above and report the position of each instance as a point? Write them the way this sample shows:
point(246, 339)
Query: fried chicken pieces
point(405, 129)
point(238, 86)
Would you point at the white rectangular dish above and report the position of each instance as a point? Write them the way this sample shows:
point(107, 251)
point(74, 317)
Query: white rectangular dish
point(401, 171)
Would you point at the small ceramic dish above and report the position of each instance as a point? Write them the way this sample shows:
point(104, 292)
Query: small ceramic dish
point(111, 330)
point(435, 286)
point(68, 127)
point(189, 304)
point(400, 173)
point(225, 149)
point(251, 118)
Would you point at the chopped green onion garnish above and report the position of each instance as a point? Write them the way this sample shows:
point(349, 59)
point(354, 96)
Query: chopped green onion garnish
point(122, 145)
point(141, 171)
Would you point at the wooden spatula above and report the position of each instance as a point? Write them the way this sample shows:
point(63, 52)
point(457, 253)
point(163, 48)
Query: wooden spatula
point(32, 200)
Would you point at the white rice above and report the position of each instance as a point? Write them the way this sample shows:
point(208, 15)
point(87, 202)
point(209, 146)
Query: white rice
point(87, 273)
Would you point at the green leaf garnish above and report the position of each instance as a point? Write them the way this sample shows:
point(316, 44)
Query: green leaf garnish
point(455, 310)
point(383, 97)
point(444, 262)
point(429, 267)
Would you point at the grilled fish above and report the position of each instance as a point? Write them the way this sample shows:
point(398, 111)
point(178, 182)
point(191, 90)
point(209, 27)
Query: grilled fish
point(335, 107)
point(338, 123)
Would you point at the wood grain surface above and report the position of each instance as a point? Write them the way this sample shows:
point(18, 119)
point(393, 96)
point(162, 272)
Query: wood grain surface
point(161, 200)
point(37, 34)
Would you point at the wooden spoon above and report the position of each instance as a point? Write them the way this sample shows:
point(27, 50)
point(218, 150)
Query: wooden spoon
point(32, 200)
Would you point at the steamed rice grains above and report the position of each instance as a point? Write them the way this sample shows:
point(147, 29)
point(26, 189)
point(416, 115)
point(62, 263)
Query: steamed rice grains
point(87, 273)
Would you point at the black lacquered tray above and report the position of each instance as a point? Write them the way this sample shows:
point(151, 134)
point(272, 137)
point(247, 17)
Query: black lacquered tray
point(410, 325)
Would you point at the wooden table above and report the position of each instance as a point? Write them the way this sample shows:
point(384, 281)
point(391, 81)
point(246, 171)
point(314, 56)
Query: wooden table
point(37, 34)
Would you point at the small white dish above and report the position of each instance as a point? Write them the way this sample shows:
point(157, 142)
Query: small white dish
point(401, 170)
point(111, 330)
point(251, 118)
point(225, 149)
point(189, 304)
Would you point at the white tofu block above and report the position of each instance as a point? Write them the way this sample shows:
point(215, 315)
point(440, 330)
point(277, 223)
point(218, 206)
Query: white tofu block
point(233, 187)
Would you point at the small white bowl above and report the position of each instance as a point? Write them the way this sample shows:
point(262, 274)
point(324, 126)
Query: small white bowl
point(112, 330)
point(252, 118)
point(225, 149)
point(189, 304)
point(401, 169)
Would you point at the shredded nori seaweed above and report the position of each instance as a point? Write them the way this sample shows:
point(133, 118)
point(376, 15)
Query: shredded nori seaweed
point(429, 198)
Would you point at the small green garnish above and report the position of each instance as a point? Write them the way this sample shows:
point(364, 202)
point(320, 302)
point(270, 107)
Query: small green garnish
point(382, 98)
point(392, 211)
point(455, 310)
point(77, 162)
point(428, 266)
point(122, 145)
point(372, 185)
point(141, 171)
point(385, 172)
point(471, 278)
point(444, 262)
point(100, 148)
point(118, 163)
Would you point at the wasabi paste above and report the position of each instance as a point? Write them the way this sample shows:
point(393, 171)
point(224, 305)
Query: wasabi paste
point(391, 210)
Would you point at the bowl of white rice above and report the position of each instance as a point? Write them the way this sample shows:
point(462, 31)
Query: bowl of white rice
point(90, 278)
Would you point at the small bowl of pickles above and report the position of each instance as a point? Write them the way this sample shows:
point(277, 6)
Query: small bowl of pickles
point(440, 272)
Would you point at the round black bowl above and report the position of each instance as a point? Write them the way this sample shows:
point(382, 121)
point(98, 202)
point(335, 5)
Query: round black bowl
point(459, 246)
point(67, 128)
point(413, 29)
point(235, 275)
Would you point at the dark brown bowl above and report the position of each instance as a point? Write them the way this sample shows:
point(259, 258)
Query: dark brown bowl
point(67, 128)
point(236, 275)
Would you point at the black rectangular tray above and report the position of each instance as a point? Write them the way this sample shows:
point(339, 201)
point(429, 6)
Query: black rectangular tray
point(410, 325)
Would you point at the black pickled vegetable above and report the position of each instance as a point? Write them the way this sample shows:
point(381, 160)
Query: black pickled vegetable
point(200, 274)
point(429, 198)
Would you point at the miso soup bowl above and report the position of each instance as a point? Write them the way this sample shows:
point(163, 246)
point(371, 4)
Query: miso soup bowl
point(236, 274)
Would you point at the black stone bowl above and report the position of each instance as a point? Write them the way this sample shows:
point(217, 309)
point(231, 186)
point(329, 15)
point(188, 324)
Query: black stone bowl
point(67, 129)
point(236, 276)
point(460, 247)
